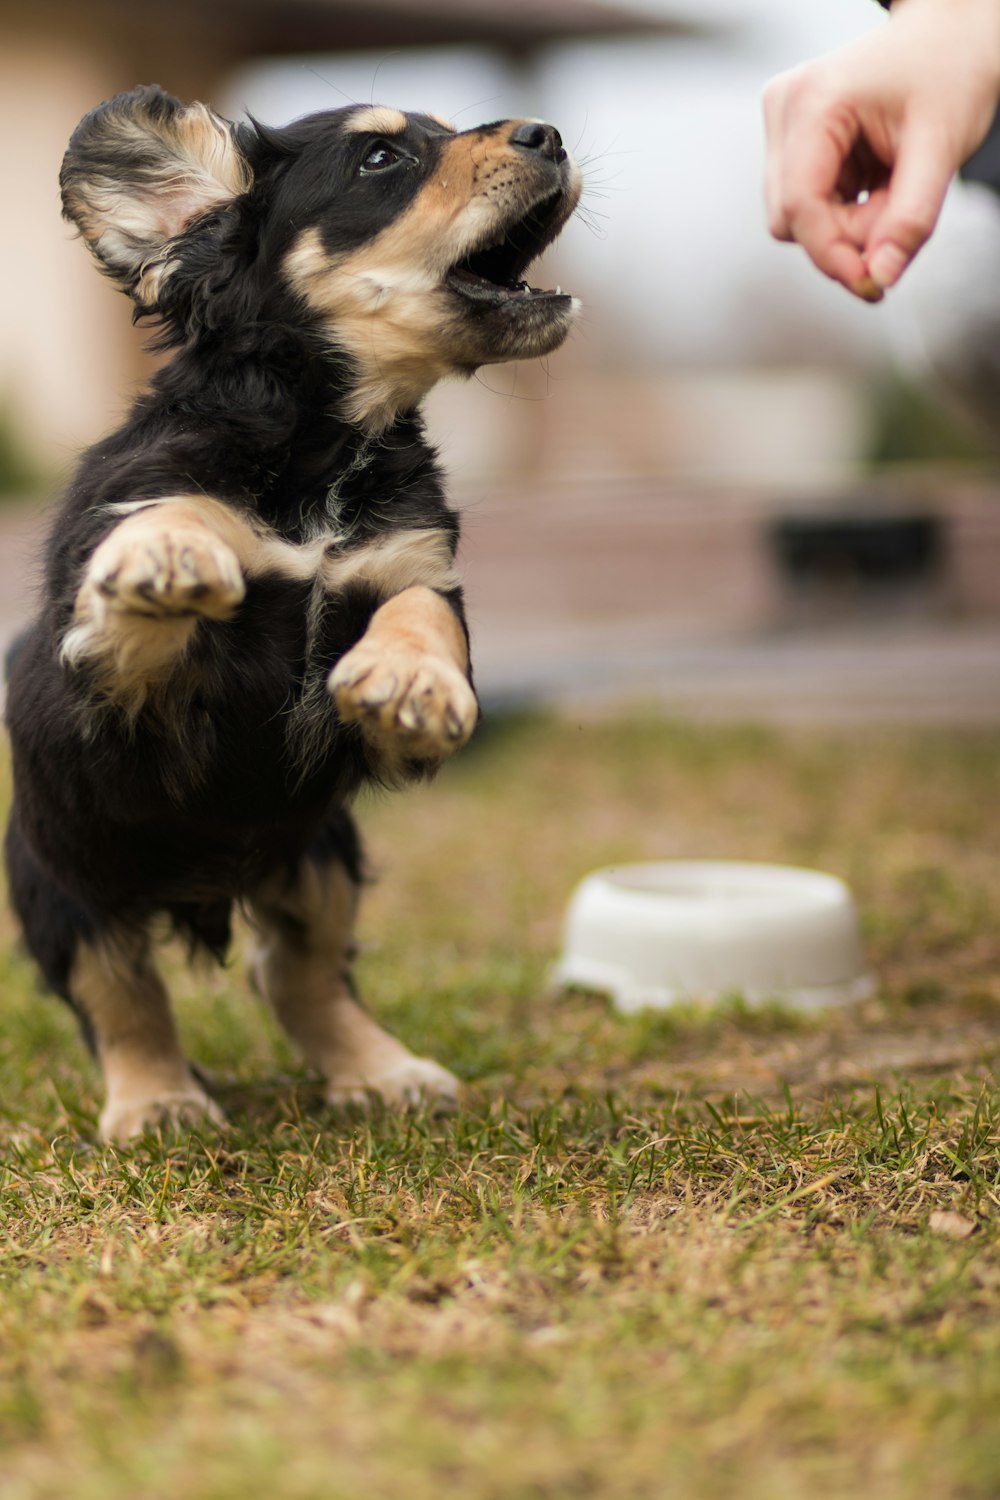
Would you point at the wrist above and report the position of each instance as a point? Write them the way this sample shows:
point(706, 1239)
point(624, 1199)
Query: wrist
point(963, 38)
point(976, 22)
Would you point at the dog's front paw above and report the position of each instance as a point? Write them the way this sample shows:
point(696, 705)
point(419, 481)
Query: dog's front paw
point(124, 1118)
point(417, 705)
point(162, 571)
point(414, 1083)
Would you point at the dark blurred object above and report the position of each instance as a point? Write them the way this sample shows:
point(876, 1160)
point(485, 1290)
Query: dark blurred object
point(984, 165)
point(857, 553)
point(237, 30)
point(517, 25)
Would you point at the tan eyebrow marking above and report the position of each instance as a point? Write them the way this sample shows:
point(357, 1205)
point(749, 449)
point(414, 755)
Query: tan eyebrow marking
point(378, 119)
point(440, 119)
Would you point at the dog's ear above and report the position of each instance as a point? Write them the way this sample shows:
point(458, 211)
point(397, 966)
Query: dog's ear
point(139, 170)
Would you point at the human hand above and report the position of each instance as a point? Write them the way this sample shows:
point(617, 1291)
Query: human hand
point(863, 143)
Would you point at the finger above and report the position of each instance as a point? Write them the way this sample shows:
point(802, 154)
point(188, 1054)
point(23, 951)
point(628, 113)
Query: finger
point(774, 102)
point(827, 233)
point(810, 144)
point(920, 179)
point(803, 161)
point(858, 220)
point(814, 149)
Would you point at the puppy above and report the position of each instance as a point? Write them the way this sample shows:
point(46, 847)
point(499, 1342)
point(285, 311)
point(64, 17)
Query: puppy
point(250, 605)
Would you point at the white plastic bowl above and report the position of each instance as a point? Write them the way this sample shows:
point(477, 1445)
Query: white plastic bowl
point(655, 935)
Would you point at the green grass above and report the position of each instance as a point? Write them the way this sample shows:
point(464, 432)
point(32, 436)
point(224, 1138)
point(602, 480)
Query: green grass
point(694, 1255)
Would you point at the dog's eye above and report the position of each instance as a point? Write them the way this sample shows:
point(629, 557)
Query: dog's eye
point(379, 156)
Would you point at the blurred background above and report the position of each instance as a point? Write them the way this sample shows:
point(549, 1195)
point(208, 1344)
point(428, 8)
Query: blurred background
point(735, 490)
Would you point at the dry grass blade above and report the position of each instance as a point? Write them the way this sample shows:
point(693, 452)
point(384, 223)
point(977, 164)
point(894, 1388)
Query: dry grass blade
point(736, 1252)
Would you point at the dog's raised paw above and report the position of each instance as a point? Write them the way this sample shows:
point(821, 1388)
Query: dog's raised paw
point(420, 705)
point(184, 1109)
point(414, 1083)
point(168, 571)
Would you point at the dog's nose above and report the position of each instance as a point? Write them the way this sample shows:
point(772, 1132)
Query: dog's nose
point(536, 136)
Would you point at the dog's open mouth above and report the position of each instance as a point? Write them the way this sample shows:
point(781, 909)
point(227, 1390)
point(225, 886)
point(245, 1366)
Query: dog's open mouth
point(494, 273)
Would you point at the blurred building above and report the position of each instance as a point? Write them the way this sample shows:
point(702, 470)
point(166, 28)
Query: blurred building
point(68, 358)
point(690, 467)
point(706, 353)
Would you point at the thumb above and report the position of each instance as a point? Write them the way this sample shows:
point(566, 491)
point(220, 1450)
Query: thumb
point(920, 179)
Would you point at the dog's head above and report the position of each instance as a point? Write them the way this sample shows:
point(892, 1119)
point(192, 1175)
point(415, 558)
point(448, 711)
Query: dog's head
point(404, 242)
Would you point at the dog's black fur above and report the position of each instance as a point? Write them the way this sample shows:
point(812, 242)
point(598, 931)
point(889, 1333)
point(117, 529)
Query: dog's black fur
point(193, 784)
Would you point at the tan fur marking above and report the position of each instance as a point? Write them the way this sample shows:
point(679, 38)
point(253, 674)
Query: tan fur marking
point(148, 1081)
point(128, 227)
point(128, 657)
point(377, 119)
point(301, 965)
point(169, 563)
point(440, 120)
point(385, 303)
point(406, 684)
point(422, 622)
point(400, 561)
point(172, 561)
point(393, 562)
point(153, 577)
point(388, 317)
point(387, 566)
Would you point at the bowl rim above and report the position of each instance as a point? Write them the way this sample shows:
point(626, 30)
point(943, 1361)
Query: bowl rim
point(691, 902)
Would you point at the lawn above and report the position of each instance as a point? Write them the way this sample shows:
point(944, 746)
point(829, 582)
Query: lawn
point(694, 1256)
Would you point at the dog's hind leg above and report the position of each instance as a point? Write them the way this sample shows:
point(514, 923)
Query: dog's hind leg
point(106, 974)
point(115, 985)
point(304, 924)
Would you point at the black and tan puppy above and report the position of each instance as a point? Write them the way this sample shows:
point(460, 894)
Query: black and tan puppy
point(251, 606)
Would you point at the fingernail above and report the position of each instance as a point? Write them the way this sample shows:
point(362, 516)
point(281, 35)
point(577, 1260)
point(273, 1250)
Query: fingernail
point(867, 289)
point(887, 265)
